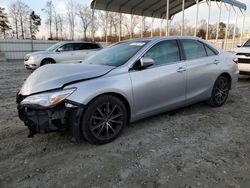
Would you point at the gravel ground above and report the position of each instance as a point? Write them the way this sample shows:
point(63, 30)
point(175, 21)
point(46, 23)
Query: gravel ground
point(197, 146)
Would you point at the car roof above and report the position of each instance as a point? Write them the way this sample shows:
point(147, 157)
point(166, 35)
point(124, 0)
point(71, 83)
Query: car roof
point(161, 38)
point(158, 39)
point(67, 42)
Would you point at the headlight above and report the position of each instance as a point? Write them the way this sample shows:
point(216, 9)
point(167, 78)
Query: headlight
point(48, 99)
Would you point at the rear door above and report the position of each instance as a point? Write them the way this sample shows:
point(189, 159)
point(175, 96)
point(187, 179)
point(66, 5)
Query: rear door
point(202, 69)
point(161, 86)
point(66, 53)
point(86, 49)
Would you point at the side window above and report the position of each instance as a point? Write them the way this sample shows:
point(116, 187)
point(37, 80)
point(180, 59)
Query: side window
point(164, 52)
point(193, 49)
point(209, 51)
point(77, 46)
point(89, 46)
point(67, 47)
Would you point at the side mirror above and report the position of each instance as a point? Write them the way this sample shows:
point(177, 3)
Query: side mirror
point(146, 62)
point(239, 45)
point(59, 49)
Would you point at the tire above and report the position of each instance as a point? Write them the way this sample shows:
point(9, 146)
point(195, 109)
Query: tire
point(47, 61)
point(220, 92)
point(103, 119)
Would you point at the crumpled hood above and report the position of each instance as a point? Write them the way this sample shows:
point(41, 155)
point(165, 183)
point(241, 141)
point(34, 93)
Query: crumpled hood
point(241, 50)
point(55, 76)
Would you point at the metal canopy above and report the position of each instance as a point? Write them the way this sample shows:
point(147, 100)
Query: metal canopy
point(151, 8)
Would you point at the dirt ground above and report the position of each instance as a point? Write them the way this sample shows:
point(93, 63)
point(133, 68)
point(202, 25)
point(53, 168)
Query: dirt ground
point(197, 146)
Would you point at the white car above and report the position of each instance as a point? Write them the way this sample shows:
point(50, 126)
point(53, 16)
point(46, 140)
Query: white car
point(243, 55)
point(62, 52)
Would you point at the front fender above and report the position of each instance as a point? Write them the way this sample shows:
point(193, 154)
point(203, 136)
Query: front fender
point(90, 89)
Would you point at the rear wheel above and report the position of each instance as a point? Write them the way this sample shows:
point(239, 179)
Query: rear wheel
point(103, 119)
point(220, 92)
point(47, 61)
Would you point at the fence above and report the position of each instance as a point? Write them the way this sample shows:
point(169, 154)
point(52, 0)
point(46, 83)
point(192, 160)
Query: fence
point(17, 49)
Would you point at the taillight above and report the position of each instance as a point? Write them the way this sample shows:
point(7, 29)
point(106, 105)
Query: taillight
point(236, 60)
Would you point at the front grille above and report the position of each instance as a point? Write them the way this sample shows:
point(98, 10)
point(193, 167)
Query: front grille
point(247, 61)
point(245, 54)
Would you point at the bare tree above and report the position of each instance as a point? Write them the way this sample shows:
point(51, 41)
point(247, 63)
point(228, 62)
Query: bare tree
point(14, 12)
point(85, 16)
point(49, 9)
point(56, 24)
point(19, 12)
point(103, 17)
point(24, 12)
point(71, 14)
point(60, 25)
point(131, 23)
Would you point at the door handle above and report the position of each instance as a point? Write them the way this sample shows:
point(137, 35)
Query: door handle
point(181, 69)
point(216, 62)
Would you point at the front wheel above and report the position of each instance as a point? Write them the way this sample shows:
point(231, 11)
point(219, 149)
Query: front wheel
point(103, 119)
point(47, 62)
point(220, 92)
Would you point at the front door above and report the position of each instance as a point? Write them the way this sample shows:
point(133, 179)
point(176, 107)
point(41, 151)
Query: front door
point(163, 85)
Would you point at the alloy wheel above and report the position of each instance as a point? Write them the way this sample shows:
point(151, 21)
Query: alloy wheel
point(221, 91)
point(106, 121)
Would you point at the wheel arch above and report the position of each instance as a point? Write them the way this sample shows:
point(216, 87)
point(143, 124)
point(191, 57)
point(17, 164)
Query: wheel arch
point(228, 76)
point(47, 58)
point(119, 96)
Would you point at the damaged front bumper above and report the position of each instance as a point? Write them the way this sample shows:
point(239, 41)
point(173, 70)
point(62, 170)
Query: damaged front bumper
point(64, 117)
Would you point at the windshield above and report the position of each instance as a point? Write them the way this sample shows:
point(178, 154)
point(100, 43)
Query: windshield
point(247, 44)
point(53, 47)
point(116, 55)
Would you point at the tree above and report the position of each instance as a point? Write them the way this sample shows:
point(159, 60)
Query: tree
point(201, 33)
point(49, 9)
point(60, 25)
point(71, 14)
point(14, 12)
point(85, 16)
point(222, 30)
point(19, 12)
point(35, 22)
point(4, 22)
point(23, 15)
point(56, 21)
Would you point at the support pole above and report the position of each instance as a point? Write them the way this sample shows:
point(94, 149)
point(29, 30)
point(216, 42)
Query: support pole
point(131, 22)
point(218, 23)
point(93, 22)
point(227, 26)
point(243, 25)
point(152, 25)
point(183, 14)
point(120, 26)
point(161, 27)
point(196, 17)
point(106, 25)
point(167, 18)
point(142, 26)
point(235, 27)
point(208, 18)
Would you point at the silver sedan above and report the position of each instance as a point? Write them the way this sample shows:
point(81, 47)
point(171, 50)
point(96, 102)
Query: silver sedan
point(123, 83)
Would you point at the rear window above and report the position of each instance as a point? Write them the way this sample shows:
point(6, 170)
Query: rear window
point(86, 46)
point(210, 51)
point(193, 49)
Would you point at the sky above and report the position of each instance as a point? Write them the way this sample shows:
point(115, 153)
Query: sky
point(190, 13)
